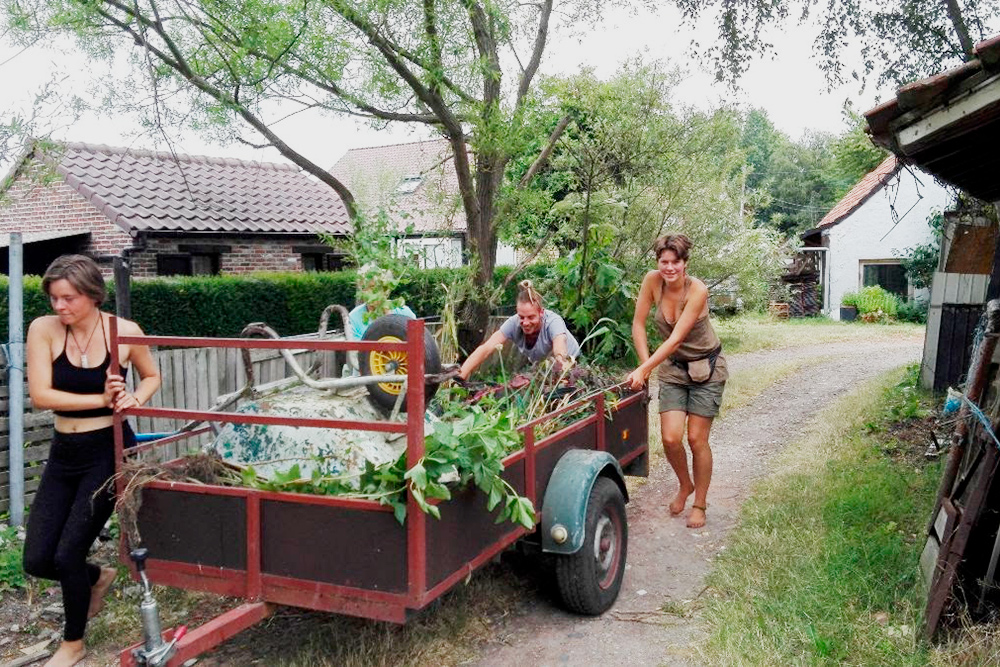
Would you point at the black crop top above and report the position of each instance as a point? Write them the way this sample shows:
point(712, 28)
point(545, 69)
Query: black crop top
point(77, 380)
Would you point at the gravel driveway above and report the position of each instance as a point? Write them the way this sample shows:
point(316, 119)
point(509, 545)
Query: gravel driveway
point(668, 562)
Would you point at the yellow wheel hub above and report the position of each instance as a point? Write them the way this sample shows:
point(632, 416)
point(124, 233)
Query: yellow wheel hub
point(388, 363)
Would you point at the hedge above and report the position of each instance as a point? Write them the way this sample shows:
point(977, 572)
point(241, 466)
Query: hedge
point(290, 303)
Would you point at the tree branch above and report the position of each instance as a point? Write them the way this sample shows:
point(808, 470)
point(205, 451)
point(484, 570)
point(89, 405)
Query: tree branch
point(536, 54)
point(530, 258)
point(487, 47)
point(961, 29)
point(543, 157)
point(424, 94)
point(175, 60)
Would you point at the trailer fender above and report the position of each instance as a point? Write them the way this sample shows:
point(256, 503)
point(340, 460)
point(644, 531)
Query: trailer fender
point(564, 508)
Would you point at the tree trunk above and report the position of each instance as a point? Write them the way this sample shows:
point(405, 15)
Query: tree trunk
point(961, 29)
point(482, 250)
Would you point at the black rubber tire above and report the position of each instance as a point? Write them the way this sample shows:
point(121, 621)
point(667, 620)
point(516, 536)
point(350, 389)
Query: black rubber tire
point(590, 579)
point(393, 327)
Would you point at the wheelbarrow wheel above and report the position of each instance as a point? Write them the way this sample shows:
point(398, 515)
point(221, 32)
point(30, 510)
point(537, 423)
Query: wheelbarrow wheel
point(392, 328)
point(589, 580)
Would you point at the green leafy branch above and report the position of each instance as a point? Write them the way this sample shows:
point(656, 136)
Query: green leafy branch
point(466, 450)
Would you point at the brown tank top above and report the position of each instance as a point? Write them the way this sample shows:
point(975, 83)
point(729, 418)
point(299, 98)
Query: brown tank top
point(700, 341)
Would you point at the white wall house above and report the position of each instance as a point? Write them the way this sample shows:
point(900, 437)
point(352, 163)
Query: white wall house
point(865, 234)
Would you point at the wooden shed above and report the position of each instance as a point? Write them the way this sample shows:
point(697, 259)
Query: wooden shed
point(958, 293)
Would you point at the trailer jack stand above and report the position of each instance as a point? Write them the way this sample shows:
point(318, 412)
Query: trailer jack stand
point(155, 651)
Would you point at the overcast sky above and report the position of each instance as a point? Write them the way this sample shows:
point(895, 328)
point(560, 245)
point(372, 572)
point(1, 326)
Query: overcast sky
point(790, 87)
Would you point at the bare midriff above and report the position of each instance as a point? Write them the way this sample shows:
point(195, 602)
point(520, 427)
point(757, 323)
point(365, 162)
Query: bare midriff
point(82, 424)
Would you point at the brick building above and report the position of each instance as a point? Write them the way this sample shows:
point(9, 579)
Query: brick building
point(171, 215)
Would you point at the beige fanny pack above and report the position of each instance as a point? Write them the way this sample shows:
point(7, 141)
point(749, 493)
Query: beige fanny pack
point(700, 370)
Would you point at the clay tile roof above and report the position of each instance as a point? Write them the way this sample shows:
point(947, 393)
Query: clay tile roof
point(860, 193)
point(415, 181)
point(144, 190)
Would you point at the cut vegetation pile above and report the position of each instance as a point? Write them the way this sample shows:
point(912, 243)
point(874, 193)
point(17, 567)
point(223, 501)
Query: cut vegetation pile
point(470, 430)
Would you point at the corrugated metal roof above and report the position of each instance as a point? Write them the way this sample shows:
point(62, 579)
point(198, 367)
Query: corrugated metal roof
point(949, 124)
point(150, 191)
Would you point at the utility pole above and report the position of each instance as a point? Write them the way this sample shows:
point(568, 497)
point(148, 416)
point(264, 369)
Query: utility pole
point(15, 380)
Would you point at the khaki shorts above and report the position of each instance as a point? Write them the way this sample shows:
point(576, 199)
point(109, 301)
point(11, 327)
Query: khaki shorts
point(695, 399)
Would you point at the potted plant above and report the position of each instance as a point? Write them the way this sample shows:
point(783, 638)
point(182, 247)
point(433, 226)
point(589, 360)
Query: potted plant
point(849, 307)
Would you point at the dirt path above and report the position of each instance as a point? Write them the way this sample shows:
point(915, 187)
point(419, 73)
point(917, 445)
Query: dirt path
point(668, 562)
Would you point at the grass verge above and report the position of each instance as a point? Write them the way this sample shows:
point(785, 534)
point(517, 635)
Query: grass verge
point(823, 566)
point(752, 332)
point(744, 386)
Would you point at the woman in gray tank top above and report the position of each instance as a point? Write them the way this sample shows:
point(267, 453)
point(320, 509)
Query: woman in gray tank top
point(692, 371)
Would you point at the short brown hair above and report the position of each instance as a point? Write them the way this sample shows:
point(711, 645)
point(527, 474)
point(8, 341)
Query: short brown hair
point(526, 293)
point(679, 243)
point(81, 272)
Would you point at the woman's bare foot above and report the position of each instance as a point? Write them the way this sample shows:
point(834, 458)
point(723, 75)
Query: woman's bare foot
point(680, 500)
point(696, 519)
point(99, 590)
point(68, 654)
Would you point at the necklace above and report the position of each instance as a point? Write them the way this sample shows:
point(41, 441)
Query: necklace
point(84, 362)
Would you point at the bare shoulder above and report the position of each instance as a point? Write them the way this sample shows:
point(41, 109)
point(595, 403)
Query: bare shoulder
point(128, 327)
point(46, 326)
point(698, 287)
point(649, 281)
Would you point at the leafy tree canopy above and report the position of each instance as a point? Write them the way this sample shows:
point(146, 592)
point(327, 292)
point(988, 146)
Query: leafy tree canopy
point(791, 185)
point(463, 68)
point(633, 164)
point(892, 41)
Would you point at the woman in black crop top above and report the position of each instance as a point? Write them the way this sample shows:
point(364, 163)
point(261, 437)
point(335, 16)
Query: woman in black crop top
point(68, 360)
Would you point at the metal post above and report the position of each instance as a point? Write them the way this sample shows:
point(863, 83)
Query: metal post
point(16, 380)
point(123, 287)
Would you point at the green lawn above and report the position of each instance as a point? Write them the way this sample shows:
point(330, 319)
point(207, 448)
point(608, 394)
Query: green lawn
point(822, 568)
point(751, 332)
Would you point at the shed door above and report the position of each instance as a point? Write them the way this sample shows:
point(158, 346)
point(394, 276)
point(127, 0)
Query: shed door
point(958, 325)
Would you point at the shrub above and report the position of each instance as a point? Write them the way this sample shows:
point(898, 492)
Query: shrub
point(291, 303)
point(912, 311)
point(849, 300)
point(873, 300)
point(11, 546)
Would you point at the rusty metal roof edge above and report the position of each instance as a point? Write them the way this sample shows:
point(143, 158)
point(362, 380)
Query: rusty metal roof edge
point(923, 95)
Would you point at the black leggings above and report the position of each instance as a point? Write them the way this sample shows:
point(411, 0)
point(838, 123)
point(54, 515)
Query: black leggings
point(66, 517)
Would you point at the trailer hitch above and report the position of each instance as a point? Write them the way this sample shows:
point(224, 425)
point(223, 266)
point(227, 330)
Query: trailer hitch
point(155, 651)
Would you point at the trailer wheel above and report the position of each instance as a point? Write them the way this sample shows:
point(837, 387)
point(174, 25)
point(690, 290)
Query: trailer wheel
point(392, 328)
point(589, 580)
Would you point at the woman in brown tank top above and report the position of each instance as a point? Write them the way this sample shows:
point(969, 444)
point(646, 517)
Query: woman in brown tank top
point(692, 371)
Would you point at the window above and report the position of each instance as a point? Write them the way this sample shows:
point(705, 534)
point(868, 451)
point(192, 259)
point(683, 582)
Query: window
point(173, 265)
point(890, 277)
point(191, 261)
point(316, 260)
point(409, 184)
